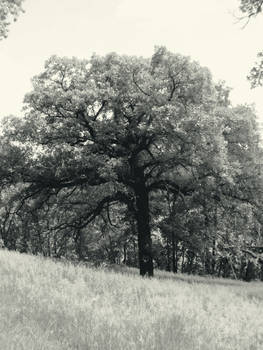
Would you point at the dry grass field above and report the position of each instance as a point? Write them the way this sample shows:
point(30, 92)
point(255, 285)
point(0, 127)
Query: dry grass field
point(47, 305)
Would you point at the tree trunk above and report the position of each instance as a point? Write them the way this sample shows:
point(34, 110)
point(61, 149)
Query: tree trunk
point(213, 264)
point(183, 256)
point(79, 242)
point(142, 216)
point(261, 272)
point(250, 271)
point(168, 264)
point(214, 241)
point(124, 260)
point(174, 253)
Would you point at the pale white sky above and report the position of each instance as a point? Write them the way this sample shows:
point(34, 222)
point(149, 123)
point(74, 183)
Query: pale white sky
point(204, 29)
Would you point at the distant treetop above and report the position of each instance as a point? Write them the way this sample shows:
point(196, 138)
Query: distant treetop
point(9, 11)
point(251, 7)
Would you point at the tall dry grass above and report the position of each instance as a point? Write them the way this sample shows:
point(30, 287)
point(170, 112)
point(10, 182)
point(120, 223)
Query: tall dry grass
point(47, 305)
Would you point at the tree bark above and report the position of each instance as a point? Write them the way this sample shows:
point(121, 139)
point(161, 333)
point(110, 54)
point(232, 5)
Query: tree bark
point(142, 216)
point(174, 253)
point(124, 260)
point(213, 264)
point(168, 262)
point(183, 256)
point(214, 242)
point(79, 241)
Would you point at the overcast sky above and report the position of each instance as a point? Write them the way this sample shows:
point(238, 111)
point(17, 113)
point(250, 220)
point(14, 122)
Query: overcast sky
point(204, 29)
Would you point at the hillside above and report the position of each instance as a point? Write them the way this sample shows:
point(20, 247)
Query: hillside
point(49, 305)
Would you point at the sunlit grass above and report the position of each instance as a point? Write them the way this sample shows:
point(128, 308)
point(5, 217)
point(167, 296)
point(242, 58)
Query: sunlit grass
point(48, 305)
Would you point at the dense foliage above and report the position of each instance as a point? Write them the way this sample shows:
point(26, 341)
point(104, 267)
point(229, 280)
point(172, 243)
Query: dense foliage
point(120, 156)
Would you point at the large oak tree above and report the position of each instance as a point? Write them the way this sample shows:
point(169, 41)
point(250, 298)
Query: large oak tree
point(117, 129)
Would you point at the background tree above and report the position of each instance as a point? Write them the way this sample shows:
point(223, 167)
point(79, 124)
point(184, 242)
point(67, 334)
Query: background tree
point(251, 8)
point(9, 11)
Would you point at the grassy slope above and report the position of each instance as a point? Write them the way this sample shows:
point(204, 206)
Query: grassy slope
point(47, 305)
